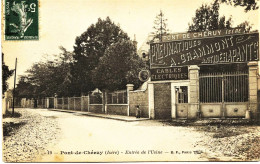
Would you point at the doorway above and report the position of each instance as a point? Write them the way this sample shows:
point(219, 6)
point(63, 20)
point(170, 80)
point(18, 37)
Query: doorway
point(181, 95)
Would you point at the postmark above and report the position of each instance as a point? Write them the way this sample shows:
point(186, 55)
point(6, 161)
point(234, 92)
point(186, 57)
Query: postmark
point(21, 20)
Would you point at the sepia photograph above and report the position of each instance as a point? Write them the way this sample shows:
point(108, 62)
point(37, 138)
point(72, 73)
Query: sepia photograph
point(130, 80)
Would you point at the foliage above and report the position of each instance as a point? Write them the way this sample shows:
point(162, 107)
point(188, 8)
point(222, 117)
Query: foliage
point(6, 74)
point(246, 25)
point(248, 4)
point(89, 47)
point(47, 77)
point(24, 89)
point(207, 18)
point(119, 66)
point(160, 26)
point(73, 74)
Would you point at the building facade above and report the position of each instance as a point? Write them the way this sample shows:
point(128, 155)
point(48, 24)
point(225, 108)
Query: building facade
point(211, 74)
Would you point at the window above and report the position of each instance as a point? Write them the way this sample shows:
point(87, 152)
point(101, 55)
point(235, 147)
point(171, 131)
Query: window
point(183, 94)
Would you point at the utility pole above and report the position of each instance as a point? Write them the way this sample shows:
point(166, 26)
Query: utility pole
point(14, 85)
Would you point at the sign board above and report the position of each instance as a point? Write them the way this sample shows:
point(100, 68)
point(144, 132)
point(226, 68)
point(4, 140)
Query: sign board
point(204, 34)
point(226, 49)
point(173, 73)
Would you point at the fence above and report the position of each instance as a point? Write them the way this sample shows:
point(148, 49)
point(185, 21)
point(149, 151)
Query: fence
point(17, 102)
point(41, 103)
point(119, 102)
point(118, 97)
point(84, 103)
point(95, 98)
point(96, 102)
point(72, 103)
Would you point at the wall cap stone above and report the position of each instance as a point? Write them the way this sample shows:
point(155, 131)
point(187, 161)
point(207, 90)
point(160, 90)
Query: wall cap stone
point(194, 67)
point(253, 63)
point(130, 87)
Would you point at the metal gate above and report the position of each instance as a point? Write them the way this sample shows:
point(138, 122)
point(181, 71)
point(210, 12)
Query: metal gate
point(223, 94)
point(51, 102)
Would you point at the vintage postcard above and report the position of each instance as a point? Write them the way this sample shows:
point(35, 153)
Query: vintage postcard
point(130, 80)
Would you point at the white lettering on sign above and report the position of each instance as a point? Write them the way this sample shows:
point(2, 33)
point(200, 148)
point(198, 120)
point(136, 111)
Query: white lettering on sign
point(228, 49)
point(204, 34)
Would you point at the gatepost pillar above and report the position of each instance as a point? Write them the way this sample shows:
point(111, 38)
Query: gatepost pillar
point(151, 100)
point(252, 83)
point(81, 102)
point(55, 102)
point(129, 87)
point(193, 92)
point(68, 103)
point(74, 103)
point(62, 103)
point(104, 100)
point(47, 102)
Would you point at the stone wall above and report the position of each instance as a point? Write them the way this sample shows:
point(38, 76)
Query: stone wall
point(139, 97)
point(117, 109)
point(97, 108)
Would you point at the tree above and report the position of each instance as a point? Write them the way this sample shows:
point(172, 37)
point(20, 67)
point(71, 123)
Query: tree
point(248, 4)
point(119, 66)
point(46, 78)
point(89, 47)
point(24, 89)
point(64, 63)
point(160, 26)
point(6, 74)
point(245, 25)
point(207, 18)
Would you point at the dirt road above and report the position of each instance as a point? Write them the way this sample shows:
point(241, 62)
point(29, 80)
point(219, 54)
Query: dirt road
point(50, 136)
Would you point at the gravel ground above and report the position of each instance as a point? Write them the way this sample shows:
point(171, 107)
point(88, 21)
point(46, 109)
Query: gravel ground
point(31, 139)
point(38, 130)
point(231, 143)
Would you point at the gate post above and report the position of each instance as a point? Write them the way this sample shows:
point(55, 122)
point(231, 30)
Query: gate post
point(252, 84)
point(74, 103)
point(129, 87)
point(105, 101)
point(81, 103)
point(68, 103)
point(173, 101)
point(193, 92)
point(47, 102)
point(55, 102)
point(151, 100)
point(62, 106)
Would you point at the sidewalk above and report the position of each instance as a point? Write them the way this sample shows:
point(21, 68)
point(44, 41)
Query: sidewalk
point(107, 116)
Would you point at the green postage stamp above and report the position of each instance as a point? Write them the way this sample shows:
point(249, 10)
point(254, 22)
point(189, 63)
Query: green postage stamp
point(21, 20)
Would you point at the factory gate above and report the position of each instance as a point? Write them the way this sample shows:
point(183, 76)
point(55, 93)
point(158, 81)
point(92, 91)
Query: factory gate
point(223, 95)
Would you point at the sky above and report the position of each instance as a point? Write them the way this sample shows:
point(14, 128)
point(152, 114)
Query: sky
point(61, 21)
